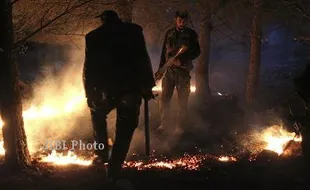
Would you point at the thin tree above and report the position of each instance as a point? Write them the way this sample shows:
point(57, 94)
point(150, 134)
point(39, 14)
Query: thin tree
point(209, 12)
point(202, 69)
point(263, 12)
point(15, 143)
point(255, 54)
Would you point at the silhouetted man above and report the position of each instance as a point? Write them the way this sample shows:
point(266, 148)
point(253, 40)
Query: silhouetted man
point(117, 74)
point(178, 75)
point(302, 87)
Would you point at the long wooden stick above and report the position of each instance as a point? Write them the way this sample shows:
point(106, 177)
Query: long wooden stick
point(147, 127)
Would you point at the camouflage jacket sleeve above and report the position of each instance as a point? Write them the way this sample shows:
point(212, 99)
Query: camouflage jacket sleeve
point(144, 63)
point(88, 70)
point(194, 47)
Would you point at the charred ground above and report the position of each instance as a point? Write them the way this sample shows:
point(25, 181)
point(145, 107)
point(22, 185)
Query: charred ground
point(267, 171)
point(264, 174)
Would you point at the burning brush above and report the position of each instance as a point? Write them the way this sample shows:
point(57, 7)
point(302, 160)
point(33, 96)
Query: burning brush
point(274, 138)
point(186, 162)
point(278, 140)
point(62, 159)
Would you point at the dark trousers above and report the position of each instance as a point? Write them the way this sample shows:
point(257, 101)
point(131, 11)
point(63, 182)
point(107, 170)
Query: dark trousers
point(128, 110)
point(179, 79)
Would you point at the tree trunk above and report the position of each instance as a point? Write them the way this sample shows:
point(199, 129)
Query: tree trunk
point(15, 142)
point(202, 71)
point(255, 56)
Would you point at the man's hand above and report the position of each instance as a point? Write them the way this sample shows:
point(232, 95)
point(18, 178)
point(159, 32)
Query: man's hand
point(158, 75)
point(91, 103)
point(147, 94)
point(94, 99)
point(169, 49)
point(177, 62)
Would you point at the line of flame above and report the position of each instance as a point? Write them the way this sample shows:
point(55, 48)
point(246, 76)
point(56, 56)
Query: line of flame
point(187, 162)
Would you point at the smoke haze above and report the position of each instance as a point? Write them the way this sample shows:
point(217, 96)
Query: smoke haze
point(59, 97)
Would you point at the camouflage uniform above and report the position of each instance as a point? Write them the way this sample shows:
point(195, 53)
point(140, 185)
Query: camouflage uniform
point(178, 77)
point(117, 74)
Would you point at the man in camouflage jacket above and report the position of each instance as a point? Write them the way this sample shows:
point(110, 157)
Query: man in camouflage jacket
point(178, 75)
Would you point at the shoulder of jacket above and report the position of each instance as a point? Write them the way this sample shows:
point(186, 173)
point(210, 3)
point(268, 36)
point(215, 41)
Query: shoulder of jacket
point(92, 33)
point(169, 30)
point(191, 31)
point(133, 26)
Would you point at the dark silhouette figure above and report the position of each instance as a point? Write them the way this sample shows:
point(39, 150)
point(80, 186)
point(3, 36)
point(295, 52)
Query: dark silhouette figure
point(302, 88)
point(117, 74)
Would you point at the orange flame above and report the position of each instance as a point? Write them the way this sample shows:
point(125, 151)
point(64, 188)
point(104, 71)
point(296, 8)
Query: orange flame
point(2, 151)
point(187, 162)
point(227, 159)
point(276, 138)
point(70, 158)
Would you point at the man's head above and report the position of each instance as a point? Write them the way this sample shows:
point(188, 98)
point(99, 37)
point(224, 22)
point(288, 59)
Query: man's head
point(108, 16)
point(181, 19)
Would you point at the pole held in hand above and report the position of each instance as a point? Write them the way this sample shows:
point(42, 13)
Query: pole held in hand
point(147, 127)
point(170, 62)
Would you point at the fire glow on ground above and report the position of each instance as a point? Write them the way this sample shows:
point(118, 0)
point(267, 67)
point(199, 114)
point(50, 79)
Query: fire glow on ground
point(274, 138)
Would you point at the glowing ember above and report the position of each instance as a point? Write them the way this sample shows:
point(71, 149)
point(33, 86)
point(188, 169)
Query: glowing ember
point(186, 162)
point(227, 159)
point(59, 101)
point(70, 158)
point(277, 138)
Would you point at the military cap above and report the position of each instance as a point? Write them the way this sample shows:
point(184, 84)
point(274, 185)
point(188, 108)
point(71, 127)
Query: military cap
point(108, 15)
point(182, 14)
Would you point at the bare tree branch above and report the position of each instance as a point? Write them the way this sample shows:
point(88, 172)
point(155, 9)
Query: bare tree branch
point(228, 36)
point(22, 41)
point(229, 26)
point(294, 6)
point(74, 42)
point(67, 34)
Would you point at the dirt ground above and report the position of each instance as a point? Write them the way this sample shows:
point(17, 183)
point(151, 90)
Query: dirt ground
point(269, 172)
point(260, 174)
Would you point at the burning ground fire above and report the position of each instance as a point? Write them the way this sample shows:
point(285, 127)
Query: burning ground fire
point(61, 159)
point(71, 103)
point(278, 144)
point(187, 162)
point(275, 138)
